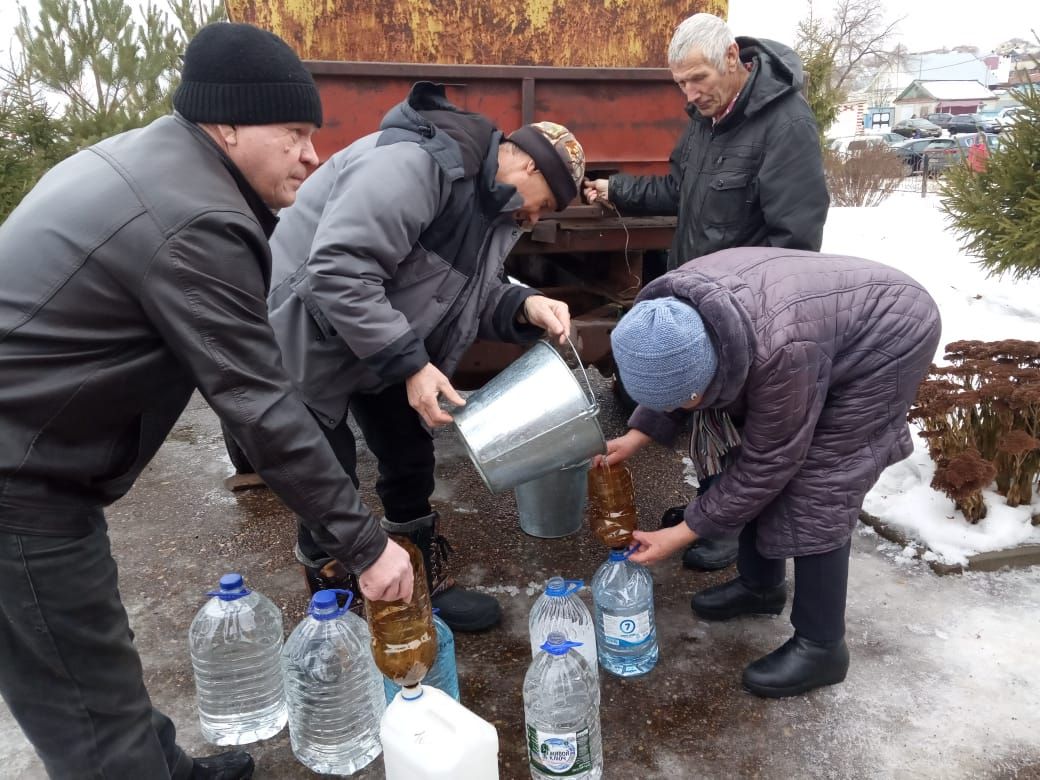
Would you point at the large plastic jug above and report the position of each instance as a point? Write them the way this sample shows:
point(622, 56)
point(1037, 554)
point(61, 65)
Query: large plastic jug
point(427, 735)
point(333, 688)
point(235, 642)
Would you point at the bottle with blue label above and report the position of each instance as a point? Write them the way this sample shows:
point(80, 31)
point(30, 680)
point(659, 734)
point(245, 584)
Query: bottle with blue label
point(623, 598)
point(561, 713)
point(235, 641)
point(561, 609)
point(444, 672)
point(334, 690)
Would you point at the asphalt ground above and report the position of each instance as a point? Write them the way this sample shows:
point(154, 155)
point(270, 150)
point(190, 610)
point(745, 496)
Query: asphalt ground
point(944, 683)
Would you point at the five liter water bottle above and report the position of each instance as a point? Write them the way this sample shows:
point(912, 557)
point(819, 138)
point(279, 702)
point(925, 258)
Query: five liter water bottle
point(235, 640)
point(561, 609)
point(444, 674)
point(561, 711)
point(623, 597)
point(333, 687)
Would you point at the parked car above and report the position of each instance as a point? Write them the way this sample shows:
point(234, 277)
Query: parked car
point(940, 119)
point(919, 128)
point(962, 123)
point(1011, 115)
point(892, 139)
point(845, 145)
point(961, 152)
point(912, 153)
point(987, 121)
point(996, 120)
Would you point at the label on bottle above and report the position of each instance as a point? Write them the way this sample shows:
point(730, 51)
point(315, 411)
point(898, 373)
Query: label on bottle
point(559, 754)
point(626, 630)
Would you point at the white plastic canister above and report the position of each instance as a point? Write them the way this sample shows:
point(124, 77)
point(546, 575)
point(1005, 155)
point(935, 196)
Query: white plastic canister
point(427, 735)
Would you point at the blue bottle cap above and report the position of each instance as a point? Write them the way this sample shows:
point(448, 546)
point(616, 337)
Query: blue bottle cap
point(231, 588)
point(324, 599)
point(325, 605)
point(558, 587)
point(557, 644)
point(618, 555)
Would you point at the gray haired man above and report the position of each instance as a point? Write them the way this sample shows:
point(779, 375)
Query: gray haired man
point(748, 171)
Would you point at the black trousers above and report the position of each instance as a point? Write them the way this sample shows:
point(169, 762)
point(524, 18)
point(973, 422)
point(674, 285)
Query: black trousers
point(403, 447)
point(69, 672)
point(821, 584)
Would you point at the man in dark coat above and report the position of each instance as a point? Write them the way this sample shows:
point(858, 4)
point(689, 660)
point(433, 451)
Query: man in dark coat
point(748, 171)
point(805, 365)
point(134, 273)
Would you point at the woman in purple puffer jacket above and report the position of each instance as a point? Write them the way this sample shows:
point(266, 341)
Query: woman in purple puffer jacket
point(797, 369)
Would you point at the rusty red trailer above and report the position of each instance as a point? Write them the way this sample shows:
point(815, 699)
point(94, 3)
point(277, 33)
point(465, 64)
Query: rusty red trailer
point(626, 114)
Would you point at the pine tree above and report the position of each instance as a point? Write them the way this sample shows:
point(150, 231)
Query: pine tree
point(996, 212)
point(31, 141)
point(87, 69)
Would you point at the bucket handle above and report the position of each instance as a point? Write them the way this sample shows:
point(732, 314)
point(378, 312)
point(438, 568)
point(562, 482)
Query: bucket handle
point(590, 395)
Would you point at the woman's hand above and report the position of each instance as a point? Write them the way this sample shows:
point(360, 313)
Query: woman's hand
point(654, 546)
point(622, 448)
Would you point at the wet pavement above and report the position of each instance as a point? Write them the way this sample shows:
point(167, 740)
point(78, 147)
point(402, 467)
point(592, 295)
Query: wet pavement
point(945, 677)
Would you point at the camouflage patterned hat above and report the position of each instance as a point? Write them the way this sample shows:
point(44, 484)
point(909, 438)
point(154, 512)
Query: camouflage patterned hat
point(557, 154)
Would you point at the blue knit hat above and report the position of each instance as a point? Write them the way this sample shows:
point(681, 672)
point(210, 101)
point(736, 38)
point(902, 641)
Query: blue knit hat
point(663, 353)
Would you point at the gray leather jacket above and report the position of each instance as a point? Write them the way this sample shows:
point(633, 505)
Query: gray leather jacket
point(135, 272)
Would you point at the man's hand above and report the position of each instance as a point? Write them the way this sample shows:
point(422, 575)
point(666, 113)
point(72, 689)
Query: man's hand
point(654, 546)
point(390, 578)
point(597, 191)
point(424, 387)
point(549, 314)
point(623, 447)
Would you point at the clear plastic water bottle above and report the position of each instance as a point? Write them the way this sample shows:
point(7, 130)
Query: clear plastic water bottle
point(561, 609)
point(333, 687)
point(235, 641)
point(561, 713)
point(623, 598)
point(444, 673)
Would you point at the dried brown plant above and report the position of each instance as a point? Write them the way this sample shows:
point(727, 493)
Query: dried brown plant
point(981, 412)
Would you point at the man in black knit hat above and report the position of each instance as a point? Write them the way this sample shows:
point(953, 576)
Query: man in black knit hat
point(386, 269)
point(134, 273)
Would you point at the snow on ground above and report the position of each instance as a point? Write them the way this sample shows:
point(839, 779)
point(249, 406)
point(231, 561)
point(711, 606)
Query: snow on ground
point(912, 233)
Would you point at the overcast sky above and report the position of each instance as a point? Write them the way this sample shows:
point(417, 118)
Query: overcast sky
point(928, 25)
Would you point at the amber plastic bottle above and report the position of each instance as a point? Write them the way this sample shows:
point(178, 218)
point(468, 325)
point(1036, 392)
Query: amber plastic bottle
point(404, 640)
point(612, 505)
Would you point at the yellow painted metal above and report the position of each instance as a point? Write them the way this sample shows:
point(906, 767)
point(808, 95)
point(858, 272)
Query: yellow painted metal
point(562, 33)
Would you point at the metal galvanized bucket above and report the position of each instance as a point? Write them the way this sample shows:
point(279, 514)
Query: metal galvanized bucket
point(554, 505)
point(533, 418)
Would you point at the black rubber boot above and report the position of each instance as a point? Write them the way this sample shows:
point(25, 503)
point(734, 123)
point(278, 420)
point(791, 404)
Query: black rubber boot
point(704, 554)
point(330, 574)
point(232, 765)
point(797, 666)
point(463, 610)
point(673, 516)
point(734, 598)
point(710, 554)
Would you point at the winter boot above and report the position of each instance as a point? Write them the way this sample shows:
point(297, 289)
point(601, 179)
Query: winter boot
point(704, 554)
point(710, 554)
point(463, 610)
point(797, 666)
point(330, 574)
point(736, 597)
point(231, 765)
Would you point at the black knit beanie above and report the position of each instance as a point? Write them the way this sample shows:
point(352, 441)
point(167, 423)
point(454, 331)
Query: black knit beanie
point(239, 74)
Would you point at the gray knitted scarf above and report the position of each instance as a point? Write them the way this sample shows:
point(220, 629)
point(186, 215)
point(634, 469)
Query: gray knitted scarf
point(711, 441)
